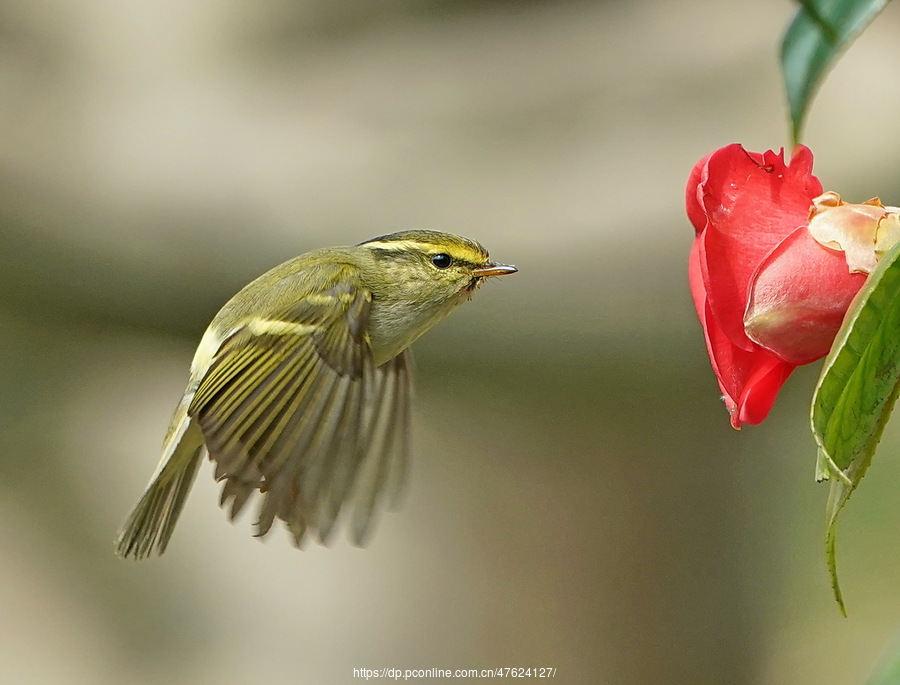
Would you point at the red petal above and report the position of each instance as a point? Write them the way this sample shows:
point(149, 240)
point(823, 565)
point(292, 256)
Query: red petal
point(749, 380)
point(735, 334)
point(752, 202)
point(798, 298)
point(695, 278)
point(761, 389)
point(693, 194)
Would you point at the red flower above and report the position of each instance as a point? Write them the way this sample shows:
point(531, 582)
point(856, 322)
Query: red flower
point(769, 295)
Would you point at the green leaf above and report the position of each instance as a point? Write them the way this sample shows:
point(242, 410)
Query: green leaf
point(887, 671)
point(856, 392)
point(816, 36)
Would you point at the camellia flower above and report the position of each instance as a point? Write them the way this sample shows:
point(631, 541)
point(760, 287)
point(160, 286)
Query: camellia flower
point(774, 267)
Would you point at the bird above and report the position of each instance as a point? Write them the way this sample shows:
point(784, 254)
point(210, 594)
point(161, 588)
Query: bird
point(300, 389)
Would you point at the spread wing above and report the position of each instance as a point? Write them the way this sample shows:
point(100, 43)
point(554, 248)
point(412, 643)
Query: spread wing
point(293, 406)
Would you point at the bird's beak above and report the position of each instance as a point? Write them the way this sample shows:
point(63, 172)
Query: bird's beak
point(491, 269)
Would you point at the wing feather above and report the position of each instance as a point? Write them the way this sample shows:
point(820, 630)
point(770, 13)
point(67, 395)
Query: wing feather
point(399, 457)
point(306, 435)
point(301, 414)
point(388, 445)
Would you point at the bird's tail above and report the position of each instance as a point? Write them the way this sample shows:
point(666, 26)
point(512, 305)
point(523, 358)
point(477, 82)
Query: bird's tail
point(151, 522)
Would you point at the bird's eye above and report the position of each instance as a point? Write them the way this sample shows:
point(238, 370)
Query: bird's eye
point(441, 260)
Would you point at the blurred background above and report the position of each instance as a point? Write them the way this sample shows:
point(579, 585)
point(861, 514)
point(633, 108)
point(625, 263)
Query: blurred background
point(578, 499)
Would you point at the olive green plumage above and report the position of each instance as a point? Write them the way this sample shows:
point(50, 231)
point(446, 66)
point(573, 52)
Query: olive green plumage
point(300, 388)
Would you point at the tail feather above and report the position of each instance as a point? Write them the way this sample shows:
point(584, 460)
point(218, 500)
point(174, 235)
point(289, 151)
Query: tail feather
point(150, 524)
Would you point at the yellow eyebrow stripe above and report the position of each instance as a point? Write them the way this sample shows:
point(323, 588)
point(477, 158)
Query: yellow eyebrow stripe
point(400, 245)
point(462, 252)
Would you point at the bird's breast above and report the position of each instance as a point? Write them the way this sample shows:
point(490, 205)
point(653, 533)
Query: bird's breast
point(394, 326)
